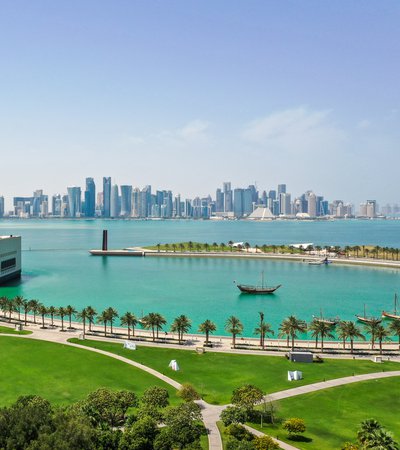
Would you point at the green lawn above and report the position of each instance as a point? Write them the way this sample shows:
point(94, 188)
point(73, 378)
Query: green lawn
point(333, 416)
point(9, 330)
point(216, 375)
point(63, 374)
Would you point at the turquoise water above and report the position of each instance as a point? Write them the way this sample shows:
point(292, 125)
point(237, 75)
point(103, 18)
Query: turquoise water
point(58, 270)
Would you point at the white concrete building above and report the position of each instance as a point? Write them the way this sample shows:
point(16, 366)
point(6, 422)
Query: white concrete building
point(10, 258)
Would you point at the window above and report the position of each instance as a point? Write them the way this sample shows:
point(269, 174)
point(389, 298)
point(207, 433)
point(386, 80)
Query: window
point(8, 264)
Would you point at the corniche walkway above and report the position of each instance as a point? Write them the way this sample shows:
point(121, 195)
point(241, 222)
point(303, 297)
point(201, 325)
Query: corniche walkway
point(210, 413)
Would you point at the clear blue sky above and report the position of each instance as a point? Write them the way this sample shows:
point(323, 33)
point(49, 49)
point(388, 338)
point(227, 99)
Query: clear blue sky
point(186, 94)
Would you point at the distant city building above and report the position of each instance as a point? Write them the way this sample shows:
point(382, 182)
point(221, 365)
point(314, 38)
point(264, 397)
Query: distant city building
point(114, 201)
point(126, 200)
point(90, 198)
point(228, 196)
point(74, 201)
point(1, 206)
point(106, 196)
point(312, 204)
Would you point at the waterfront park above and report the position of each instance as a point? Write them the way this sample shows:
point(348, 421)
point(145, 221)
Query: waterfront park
point(66, 342)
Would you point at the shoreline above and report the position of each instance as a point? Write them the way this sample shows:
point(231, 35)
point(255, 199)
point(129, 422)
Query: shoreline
point(369, 262)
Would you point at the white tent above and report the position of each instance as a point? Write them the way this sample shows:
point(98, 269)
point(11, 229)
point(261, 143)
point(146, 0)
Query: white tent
point(129, 345)
point(294, 375)
point(174, 365)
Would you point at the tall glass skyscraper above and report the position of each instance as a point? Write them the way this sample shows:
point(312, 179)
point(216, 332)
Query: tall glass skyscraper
point(90, 198)
point(126, 200)
point(114, 201)
point(106, 196)
point(74, 201)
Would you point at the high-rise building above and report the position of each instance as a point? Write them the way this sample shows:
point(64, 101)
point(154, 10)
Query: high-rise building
point(281, 189)
point(238, 202)
point(219, 201)
point(228, 196)
point(285, 207)
point(114, 201)
point(126, 200)
point(248, 201)
point(312, 204)
point(106, 196)
point(90, 198)
point(74, 201)
point(135, 202)
point(1, 206)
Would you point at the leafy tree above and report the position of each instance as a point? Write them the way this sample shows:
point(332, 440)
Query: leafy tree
point(239, 432)
point(234, 326)
point(9, 305)
point(290, 327)
point(181, 325)
point(247, 396)
point(233, 414)
point(155, 396)
point(265, 443)
point(294, 426)
point(106, 407)
point(188, 393)
point(208, 327)
point(381, 334)
point(130, 320)
point(353, 332)
point(70, 310)
point(140, 436)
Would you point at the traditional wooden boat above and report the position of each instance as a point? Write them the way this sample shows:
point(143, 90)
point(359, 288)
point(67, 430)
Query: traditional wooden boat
point(319, 262)
point(329, 321)
point(366, 319)
point(393, 315)
point(258, 289)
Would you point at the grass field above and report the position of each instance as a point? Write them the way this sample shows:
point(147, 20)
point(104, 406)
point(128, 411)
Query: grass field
point(216, 375)
point(9, 330)
point(63, 374)
point(333, 416)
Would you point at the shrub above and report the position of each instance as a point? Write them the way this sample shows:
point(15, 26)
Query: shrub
point(294, 426)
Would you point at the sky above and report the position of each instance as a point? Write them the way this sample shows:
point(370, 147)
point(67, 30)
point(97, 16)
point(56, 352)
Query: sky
point(184, 95)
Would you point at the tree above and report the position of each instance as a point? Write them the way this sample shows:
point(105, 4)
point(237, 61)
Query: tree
point(265, 443)
point(112, 315)
point(381, 334)
point(264, 329)
point(18, 304)
point(155, 396)
point(294, 426)
point(188, 393)
point(239, 432)
point(154, 322)
point(62, 312)
point(129, 319)
point(342, 332)
point(181, 325)
point(103, 319)
point(291, 326)
point(3, 304)
point(394, 328)
point(91, 313)
point(42, 310)
point(208, 327)
point(83, 315)
point(371, 328)
point(9, 307)
point(353, 332)
point(34, 306)
point(234, 326)
point(140, 436)
point(233, 414)
point(26, 305)
point(106, 407)
point(373, 436)
point(52, 310)
point(246, 397)
point(70, 310)
point(322, 329)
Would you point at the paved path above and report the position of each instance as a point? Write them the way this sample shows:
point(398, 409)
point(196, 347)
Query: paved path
point(210, 413)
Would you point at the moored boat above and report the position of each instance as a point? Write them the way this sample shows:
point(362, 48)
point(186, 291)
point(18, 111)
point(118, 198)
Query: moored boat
point(366, 319)
point(328, 320)
point(319, 262)
point(257, 289)
point(393, 315)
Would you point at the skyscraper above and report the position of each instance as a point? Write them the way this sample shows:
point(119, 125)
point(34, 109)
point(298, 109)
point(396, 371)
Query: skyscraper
point(126, 200)
point(114, 201)
point(74, 201)
point(228, 196)
point(1, 206)
point(106, 196)
point(90, 197)
point(238, 202)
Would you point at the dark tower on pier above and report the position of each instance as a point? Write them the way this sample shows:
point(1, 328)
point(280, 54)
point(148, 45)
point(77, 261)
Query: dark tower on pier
point(105, 240)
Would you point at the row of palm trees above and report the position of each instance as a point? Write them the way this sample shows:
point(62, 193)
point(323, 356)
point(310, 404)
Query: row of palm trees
point(154, 322)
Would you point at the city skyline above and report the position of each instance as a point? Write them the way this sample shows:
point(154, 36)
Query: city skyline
point(186, 94)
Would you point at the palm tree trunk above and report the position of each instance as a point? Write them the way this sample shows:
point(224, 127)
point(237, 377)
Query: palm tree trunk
point(351, 345)
point(26, 312)
point(52, 319)
point(111, 324)
point(105, 328)
point(42, 320)
point(154, 334)
point(380, 346)
point(292, 342)
point(129, 332)
point(90, 324)
point(9, 316)
point(70, 319)
point(234, 340)
point(62, 323)
point(84, 326)
point(133, 330)
point(207, 338)
point(19, 315)
point(316, 341)
point(322, 344)
point(344, 343)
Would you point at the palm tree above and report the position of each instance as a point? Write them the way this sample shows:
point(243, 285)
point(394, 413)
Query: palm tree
point(247, 246)
point(291, 326)
point(208, 327)
point(234, 326)
point(83, 315)
point(153, 321)
point(112, 315)
point(158, 247)
point(42, 310)
point(368, 428)
point(230, 244)
point(52, 310)
point(181, 246)
point(62, 312)
point(353, 331)
point(181, 325)
point(70, 311)
point(342, 332)
point(190, 245)
point(18, 302)
point(103, 319)
point(264, 329)
point(91, 313)
point(34, 306)
point(381, 334)
point(174, 247)
point(394, 328)
point(130, 320)
point(206, 247)
point(10, 307)
point(222, 245)
point(371, 328)
point(26, 305)
point(323, 329)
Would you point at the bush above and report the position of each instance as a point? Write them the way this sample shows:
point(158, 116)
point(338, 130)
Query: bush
point(188, 393)
point(265, 443)
point(233, 414)
point(239, 432)
point(294, 426)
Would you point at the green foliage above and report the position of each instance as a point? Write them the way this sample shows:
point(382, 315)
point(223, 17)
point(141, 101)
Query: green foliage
point(140, 436)
point(155, 396)
point(294, 426)
point(373, 436)
point(239, 432)
point(247, 397)
point(265, 443)
point(350, 446)
point(234, 444)
point(233, 414)
point(188, 393)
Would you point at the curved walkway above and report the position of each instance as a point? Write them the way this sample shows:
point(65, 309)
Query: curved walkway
point(210, 413)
